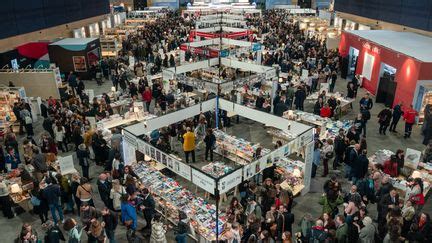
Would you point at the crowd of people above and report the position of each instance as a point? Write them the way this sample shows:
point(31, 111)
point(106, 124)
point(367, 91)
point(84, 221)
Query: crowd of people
point(263, 211)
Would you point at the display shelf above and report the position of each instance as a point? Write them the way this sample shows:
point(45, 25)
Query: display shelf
point(216, 169)
point(169, 194)
point(8, 96)
point(236, 149)
point(292, 173)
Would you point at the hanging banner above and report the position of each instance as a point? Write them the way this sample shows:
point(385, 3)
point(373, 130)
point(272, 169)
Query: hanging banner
point(203, 181)
point(129, 138)
point(306, 138)
point(141, 146)
point(308, 167)
point(230, 181)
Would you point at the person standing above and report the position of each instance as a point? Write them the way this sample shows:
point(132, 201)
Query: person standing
point(59, 134)
point(327, 153)
point(158, 230)
point(340, 146)
point(316, 157)
point(147, 97)
point(72, 82)
point(366, 102)
point(409, 116)
point(85, 192)
point(189, 144)
point(12, 159)
point(104, 187)
point(300, 96)
point(52, 194)
point(128, 214)
point(182, 228)
point(74, 231)
point(5, 200)
point(397, 113)
point(342, 230)
point(148, 207)
point(384, 118)
point(110, 221)
point(83, 158)
point(210, 142)
point(427, 124)
point(333, 81)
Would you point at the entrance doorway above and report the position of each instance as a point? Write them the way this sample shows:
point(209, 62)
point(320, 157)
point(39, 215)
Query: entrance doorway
point(352, 62)
point(387, 85)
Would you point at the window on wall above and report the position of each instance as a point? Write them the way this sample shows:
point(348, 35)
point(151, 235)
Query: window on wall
point(368, 66)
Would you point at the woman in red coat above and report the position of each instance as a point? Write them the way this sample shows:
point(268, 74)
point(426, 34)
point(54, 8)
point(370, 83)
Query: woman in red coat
point(325, 111)
point(147, 97)
point(391, 166)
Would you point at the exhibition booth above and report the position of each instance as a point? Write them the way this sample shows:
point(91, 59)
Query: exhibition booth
point(76, 54)
point(395, 66)
point(242, 160)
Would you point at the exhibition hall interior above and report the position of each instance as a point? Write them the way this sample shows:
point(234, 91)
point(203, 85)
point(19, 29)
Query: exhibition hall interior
point(231, 121)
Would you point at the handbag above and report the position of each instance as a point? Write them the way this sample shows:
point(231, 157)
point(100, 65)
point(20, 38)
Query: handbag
point(35, 201)
point(329, 155)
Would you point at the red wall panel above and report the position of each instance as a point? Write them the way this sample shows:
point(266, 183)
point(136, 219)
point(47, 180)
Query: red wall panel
point(408, 68)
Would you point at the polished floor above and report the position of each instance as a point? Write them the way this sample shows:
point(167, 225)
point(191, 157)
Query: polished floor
point(304, 204)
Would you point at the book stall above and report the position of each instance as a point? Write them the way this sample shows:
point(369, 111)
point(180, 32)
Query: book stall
point(9, 96)
point(413, 168)
point(325, 127)
point(216, 177)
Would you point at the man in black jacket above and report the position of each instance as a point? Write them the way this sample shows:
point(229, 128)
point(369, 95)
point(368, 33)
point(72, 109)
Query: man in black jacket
point(148, 207)
point(360, 166)
point(52, 195)
point(339, 146)
point(280, 107)
point(289, 220)
point(110, 221)
point(397, 114)
point(104, 187)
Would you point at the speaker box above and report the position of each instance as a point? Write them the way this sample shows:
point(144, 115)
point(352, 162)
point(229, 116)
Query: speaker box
point(140, 4)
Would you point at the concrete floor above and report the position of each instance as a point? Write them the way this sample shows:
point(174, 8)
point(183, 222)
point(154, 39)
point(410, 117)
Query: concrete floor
point(304, 204)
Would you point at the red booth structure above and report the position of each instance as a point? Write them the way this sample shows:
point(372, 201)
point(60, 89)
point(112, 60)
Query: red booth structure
point(395, 66)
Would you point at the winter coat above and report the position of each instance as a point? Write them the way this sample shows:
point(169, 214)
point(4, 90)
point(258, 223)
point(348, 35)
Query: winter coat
point(342, 233)
point(367, 234)
point(329, 206)
point(157, 233)
point(410, 115)
point(384, 117)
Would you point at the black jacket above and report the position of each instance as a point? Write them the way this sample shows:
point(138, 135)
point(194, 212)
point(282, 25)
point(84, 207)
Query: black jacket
point(339, 145)
point(384, 117)
point(280, 108)
point(52, 193)
point(210, 140)
point(54, 235)
point(83, 157)
point(360, 166)
point(104, 191)
point(110, 221)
